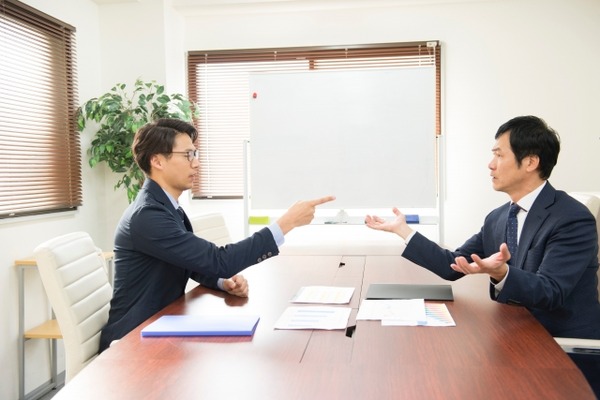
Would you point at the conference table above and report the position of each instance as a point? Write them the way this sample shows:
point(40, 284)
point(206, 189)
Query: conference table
point(495, 351)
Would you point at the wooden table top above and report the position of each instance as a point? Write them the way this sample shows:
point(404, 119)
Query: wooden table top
point(495, 351)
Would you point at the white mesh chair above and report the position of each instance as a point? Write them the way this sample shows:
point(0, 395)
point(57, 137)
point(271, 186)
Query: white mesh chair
point(573, 345)
point(74, 276)
point(211, 227)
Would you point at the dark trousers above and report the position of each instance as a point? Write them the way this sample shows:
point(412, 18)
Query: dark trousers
point(589, 364)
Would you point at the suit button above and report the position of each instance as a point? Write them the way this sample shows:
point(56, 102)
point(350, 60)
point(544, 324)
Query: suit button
point(264, 257)
point(270, 254)
point(259, 259)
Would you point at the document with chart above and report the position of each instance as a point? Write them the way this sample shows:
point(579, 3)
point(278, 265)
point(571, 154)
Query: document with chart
point(405, 312)
point(314, 317)
point(412, 312)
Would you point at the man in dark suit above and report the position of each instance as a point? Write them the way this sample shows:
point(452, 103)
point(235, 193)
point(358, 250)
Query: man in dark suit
point(553, 269)
point(156, 251)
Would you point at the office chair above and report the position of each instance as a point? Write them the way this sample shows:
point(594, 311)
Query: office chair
point(75, 278)
point(575, 345)
point(211, 227)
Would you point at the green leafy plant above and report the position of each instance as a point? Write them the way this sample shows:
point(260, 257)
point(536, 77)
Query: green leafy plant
point(119, 114)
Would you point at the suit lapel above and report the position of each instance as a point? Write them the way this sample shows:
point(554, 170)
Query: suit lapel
point(160, 196)
point(535, 218)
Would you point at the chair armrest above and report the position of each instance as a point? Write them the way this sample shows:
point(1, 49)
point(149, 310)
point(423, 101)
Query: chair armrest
point(574, 345)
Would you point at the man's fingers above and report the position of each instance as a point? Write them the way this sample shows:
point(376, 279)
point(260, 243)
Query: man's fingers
point(229, 284)
point(321, 200)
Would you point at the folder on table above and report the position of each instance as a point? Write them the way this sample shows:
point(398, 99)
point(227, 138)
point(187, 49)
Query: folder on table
point(390, 291)
point(202, 325)
point(412, 218)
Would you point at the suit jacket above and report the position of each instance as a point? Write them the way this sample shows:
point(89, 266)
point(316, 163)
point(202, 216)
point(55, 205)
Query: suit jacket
point(156, 254)
point(554, 271)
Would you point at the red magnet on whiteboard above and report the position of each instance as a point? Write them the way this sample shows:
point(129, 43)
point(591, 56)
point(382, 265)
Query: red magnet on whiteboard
point(254, 95)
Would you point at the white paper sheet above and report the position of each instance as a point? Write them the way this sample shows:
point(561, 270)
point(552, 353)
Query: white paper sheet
point(437, 315)
point(323, 295)
point(410, 312)
point(314, 317)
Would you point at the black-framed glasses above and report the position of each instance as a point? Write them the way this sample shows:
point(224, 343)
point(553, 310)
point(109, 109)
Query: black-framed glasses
point(191, 155)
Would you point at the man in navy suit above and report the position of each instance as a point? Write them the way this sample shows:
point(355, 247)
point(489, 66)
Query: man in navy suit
point(156, 251)
point(554, 269)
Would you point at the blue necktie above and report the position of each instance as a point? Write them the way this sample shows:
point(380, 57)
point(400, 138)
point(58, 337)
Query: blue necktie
point(512, 230)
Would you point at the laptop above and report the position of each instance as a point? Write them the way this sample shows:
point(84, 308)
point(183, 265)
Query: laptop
point(391, 291)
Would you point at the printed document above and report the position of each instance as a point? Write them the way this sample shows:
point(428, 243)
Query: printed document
point(407, 312)
point(314, 317)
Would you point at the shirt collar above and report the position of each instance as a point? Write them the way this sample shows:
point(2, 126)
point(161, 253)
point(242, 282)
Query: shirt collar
point(527, 201)
point(171, 199)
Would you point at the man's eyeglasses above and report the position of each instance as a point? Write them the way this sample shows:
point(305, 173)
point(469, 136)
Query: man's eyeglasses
point(191, 155)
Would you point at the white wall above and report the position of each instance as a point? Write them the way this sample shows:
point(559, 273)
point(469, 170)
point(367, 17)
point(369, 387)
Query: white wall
point(500, 59)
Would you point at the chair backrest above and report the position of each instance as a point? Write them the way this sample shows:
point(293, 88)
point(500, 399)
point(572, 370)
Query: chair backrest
point(74, 276)
point(592, 202)
point(211, 227)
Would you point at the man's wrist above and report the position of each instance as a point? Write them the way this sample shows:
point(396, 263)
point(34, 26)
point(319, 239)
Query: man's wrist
point(405, 232)
point(501, 274)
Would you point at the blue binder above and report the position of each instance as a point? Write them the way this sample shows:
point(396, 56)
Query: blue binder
point(412, 218)
point(202, 325)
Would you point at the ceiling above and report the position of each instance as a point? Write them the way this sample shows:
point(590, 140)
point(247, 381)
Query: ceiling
point(207, 7)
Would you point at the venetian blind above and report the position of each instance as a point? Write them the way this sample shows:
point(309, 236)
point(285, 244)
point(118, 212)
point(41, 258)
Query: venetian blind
point(218, 82)
point(40, 157)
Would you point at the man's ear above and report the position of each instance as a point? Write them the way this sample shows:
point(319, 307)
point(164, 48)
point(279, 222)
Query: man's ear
point(157, 161)
point(532, 162)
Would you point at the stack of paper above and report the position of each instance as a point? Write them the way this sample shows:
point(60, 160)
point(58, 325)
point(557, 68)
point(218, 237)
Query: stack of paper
point(314, 317)
point(202, 325)
point(317, 317)
point(411, 312)
point(402, 312)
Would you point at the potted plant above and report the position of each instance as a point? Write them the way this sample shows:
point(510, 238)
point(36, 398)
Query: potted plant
point(119, 114)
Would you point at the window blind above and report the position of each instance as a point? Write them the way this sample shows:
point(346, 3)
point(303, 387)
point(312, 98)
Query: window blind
point(218, 82)
point(40, 157)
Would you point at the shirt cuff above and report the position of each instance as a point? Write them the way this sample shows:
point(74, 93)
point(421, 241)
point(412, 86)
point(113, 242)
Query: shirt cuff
point(409, 237)
point(220, 284)
point(277, 233)
point(499, 285)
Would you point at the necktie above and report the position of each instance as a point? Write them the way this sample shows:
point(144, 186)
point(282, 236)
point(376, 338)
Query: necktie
point(186, 221)
point(181, 213)
point(512, 229)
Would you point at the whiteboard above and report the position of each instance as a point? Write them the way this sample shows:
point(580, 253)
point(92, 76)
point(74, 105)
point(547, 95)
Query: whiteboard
point(367, 137)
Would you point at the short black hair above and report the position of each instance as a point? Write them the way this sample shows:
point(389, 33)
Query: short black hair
point(531, 136)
